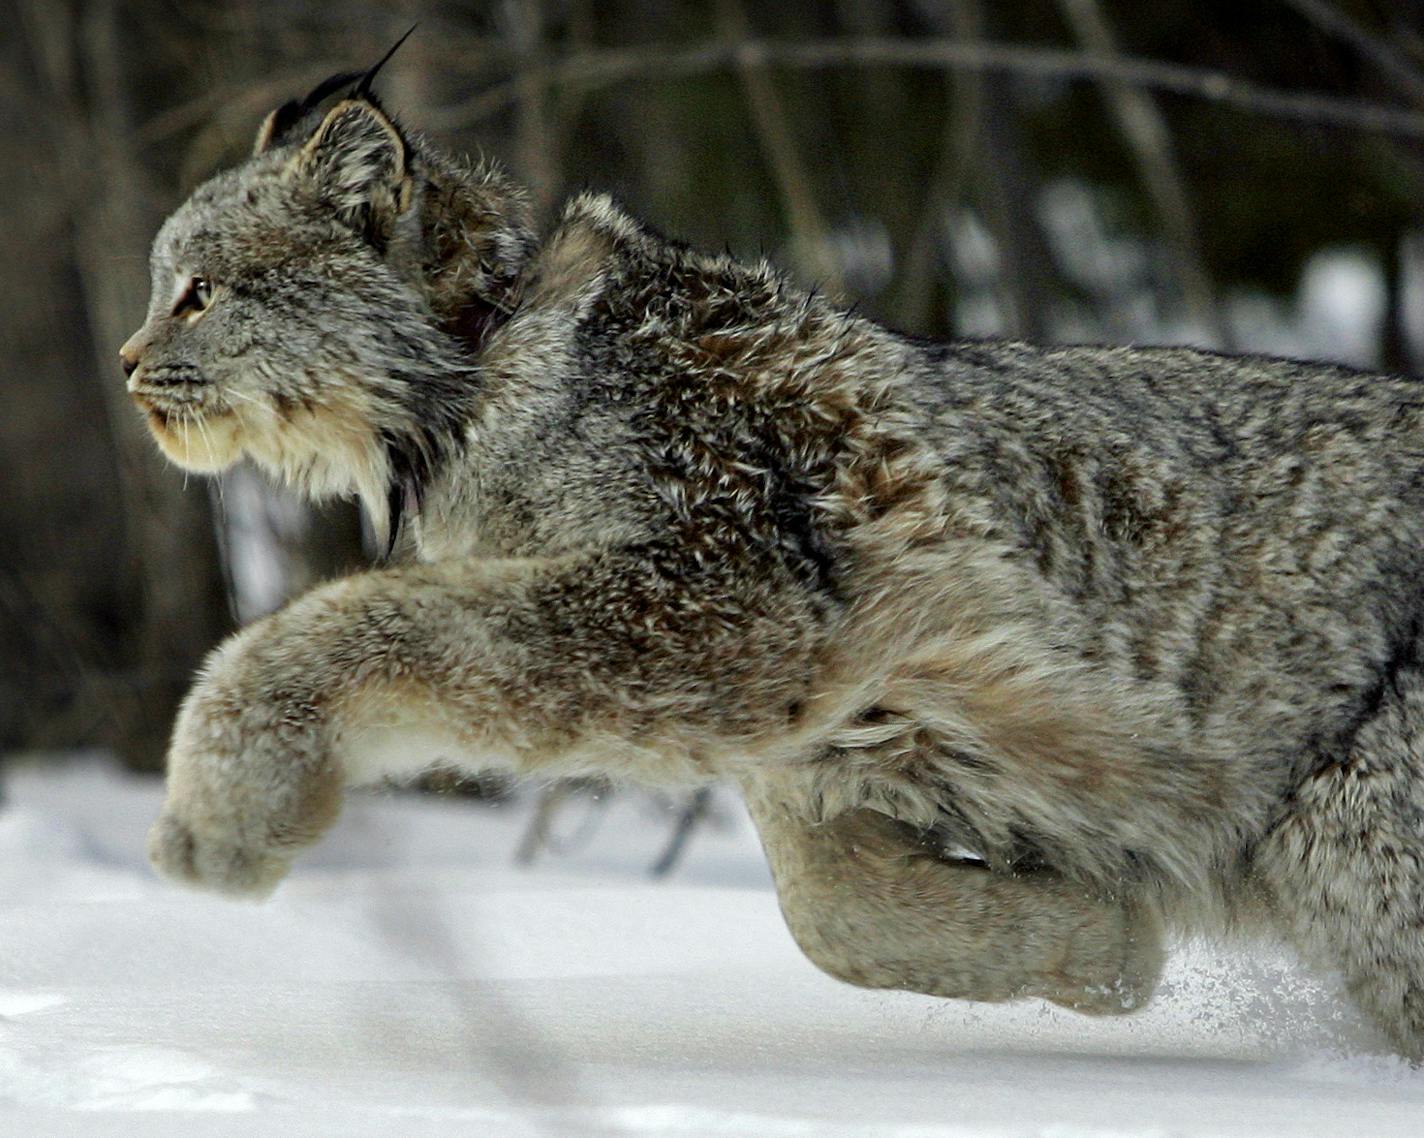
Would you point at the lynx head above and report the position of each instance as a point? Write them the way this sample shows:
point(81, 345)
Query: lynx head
point(320, 307)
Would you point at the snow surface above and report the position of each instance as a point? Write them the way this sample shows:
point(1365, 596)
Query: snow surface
point(409, 979)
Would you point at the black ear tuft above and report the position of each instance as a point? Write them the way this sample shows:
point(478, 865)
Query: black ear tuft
point(362, 90)
point(281, 124)
point(327, 87)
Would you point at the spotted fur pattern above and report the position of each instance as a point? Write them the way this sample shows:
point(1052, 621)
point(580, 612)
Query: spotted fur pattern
point(1020, 655)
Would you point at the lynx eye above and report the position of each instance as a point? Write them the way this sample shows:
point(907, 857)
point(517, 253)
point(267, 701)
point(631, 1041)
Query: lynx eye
point(195, 298)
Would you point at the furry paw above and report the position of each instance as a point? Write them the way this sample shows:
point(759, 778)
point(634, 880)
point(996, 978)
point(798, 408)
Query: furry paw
point(1111, 971)
point(250, 777)
point(212, 862)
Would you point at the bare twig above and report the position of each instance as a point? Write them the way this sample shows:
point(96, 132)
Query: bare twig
point(810, 235)
point(1025, 278)
point(1145, 131)
point(539, 836)
point(581, 22)
point(963, 124)
point(1394, 65)
point(536, 836)
point(607, 66)
point(693, 813)
point(534, 140)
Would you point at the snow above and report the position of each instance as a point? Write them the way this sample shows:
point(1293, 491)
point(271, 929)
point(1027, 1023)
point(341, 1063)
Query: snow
point(409, 979)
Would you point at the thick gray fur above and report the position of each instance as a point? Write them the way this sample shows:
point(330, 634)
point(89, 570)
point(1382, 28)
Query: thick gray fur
point(1139, 629)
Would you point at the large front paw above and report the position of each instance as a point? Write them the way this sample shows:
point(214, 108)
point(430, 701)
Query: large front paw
point(221, 862)
point(250, 778)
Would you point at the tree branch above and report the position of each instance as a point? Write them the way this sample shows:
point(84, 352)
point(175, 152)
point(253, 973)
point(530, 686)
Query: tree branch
point(963, 124)
point(1144, 129)
point(1397, 67)
point(607, 66)
point(534, 140)
point(810, 235)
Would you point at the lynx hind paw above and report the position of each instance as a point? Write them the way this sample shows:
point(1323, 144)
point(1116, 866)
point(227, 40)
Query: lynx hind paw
point(1113, 979)
point(1122, 995)
point(216, 864)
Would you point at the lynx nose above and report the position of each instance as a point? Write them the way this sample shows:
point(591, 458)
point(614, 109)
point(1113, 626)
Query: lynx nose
point(131, 354)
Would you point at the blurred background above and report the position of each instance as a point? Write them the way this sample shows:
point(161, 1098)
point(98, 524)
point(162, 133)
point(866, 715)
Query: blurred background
point(1241, 175)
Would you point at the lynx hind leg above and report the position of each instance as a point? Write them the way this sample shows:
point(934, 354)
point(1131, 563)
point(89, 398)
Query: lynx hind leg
point(1345, 866)
point(871, 905)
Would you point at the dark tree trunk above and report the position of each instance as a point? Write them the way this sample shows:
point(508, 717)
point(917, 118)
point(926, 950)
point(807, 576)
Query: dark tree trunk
point(113, 581)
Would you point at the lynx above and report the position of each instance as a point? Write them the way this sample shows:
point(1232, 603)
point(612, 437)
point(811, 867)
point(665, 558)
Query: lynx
point(1023, 657)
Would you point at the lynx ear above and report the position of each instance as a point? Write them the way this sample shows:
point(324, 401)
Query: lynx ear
point(358, 161)
point(268, 131)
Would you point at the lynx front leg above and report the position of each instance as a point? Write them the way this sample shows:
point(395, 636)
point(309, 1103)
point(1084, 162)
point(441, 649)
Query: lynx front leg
point(871, 906)
point(629, 663)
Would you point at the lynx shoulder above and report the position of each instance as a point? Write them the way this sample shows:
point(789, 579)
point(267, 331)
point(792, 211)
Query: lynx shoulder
point(1138, 628)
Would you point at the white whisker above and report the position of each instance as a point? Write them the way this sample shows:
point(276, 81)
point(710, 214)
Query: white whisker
point(245, 398)
point(212, 454)
point(187, 447)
